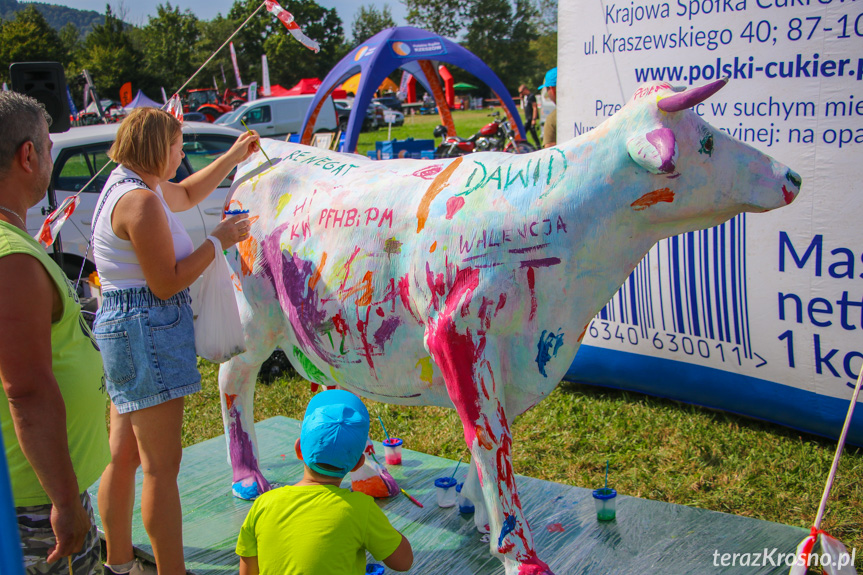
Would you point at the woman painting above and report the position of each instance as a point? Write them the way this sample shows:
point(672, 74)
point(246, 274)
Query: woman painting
point(146, 263)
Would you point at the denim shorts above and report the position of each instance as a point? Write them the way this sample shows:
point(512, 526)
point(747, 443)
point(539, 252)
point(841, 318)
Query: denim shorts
point(148, 348)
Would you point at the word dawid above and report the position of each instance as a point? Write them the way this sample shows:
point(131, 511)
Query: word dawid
point(471, 282)
point(335, 167)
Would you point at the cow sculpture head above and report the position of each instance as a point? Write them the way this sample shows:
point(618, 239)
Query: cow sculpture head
point(687, 154)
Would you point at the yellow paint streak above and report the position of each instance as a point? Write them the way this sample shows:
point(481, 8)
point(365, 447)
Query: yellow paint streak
point(284, 200)
point(426, 370)
point(436, 187)
point(336, 376)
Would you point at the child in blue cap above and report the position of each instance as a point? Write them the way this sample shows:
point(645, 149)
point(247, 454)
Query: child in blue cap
point(316, 527)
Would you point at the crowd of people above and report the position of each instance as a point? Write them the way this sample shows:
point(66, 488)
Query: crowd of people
point(57, 375)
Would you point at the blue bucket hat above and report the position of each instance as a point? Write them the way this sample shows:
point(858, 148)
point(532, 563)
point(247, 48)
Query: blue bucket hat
point(550, 79)
point(334, 432)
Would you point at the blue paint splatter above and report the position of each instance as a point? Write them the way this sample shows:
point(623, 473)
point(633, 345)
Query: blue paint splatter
point(508, 526)
point(547, 348)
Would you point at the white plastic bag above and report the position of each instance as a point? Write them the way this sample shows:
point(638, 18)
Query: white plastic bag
point(218, 331)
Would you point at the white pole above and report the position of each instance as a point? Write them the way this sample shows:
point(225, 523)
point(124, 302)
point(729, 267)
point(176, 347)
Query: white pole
point(823, 505)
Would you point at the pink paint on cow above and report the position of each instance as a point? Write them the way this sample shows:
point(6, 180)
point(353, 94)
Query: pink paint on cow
point(531, 284)
point(453, 205)
point(456, 353)
point(555, 528)
point(664, 142)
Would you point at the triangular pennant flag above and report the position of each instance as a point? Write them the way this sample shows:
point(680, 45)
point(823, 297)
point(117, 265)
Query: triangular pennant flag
point(55, 220)
point(175, 107)
point(288, 20)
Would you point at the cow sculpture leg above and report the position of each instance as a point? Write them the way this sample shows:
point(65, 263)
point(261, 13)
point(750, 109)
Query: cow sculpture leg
point(262, 327)
point(469, 363)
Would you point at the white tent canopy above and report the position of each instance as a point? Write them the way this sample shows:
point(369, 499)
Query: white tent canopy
point(141, 100)
point(91, 109)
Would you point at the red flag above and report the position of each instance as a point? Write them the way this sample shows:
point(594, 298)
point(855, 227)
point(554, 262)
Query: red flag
point(288, 20)
point(55, 220)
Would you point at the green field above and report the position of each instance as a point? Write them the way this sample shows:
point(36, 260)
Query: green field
point(657, 449)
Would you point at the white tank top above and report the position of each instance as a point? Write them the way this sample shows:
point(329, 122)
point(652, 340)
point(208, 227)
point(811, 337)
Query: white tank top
point(115, 258)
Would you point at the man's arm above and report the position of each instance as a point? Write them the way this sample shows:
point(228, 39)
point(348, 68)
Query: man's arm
point(402, 558)
point(35, 403)
point(249, 565)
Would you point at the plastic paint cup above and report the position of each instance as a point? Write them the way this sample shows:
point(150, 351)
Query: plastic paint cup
point(605, 499)
point(445, 491)
point(374, 569)
point(465, 505)
point(393, 451)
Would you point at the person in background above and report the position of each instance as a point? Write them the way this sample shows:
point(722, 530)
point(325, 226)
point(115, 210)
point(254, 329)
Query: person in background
point(316, 526)
point(549, 132)
point(531, 112)
point(146, 263)
point(52, 402)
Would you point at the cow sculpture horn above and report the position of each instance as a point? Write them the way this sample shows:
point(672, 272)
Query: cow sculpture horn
point(691, 97)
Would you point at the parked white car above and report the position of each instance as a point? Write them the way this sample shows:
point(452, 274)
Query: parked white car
point(81, 152)
point(280, 116)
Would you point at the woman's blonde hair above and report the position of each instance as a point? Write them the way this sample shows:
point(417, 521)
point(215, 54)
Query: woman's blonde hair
point(144, 141)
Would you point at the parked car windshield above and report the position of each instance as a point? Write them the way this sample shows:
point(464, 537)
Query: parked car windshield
point(231, 117)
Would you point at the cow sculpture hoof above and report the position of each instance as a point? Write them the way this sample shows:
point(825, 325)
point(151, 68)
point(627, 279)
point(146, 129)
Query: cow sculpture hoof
point(248, 492)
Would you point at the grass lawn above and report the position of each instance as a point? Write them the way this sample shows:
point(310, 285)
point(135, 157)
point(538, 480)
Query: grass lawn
point(657, 449)
point(418, 127)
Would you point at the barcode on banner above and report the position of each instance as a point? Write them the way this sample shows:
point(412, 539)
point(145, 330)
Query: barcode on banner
point(693, 284)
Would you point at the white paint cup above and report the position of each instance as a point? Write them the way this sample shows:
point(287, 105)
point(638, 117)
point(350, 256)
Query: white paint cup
point(446, 494)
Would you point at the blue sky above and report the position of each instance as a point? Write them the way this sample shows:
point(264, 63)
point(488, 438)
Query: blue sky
point(138, 10)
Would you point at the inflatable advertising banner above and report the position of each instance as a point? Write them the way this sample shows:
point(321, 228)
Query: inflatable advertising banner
point(763, 315)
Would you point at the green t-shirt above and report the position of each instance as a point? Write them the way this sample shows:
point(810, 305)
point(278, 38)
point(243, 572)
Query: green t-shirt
point(77, 368)
point(315, 529)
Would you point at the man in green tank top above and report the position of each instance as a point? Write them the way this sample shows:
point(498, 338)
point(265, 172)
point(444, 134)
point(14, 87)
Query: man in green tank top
point(52, 401)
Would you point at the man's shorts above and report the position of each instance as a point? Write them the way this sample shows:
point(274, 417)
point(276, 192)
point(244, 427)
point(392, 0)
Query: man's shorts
point(37, 537)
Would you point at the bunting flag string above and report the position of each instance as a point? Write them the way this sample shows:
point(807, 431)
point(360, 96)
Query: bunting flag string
point(55, 220)
point(288, 20)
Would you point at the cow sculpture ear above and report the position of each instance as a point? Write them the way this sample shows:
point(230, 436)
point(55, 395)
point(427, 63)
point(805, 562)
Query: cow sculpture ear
point(655, 151)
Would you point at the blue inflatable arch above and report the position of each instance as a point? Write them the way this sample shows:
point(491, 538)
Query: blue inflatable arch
point(414, 51)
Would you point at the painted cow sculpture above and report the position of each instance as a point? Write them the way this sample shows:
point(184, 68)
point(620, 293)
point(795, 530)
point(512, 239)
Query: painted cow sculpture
point(470, 282)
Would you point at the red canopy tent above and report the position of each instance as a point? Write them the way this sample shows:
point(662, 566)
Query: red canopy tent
point(304, 86)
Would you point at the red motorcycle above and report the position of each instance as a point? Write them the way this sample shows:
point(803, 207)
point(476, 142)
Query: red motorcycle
point(496, 136)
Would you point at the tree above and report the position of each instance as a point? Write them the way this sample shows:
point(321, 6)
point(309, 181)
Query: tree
point(444, 17)
point(211, 35)
point(29, 38)
point(501, 37)
point(369, 21)
point(289, 60)
point(110, 57)
point(545, 46)
point(169, 39)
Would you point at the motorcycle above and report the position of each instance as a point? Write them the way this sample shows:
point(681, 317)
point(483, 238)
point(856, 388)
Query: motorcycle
point(496, 136)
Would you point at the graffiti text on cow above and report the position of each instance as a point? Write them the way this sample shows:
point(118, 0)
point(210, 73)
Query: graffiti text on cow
point(335, 167)
point(336, 218)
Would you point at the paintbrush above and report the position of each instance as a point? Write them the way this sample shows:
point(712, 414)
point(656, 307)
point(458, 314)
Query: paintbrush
point(409, 496)
point(260, 147)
